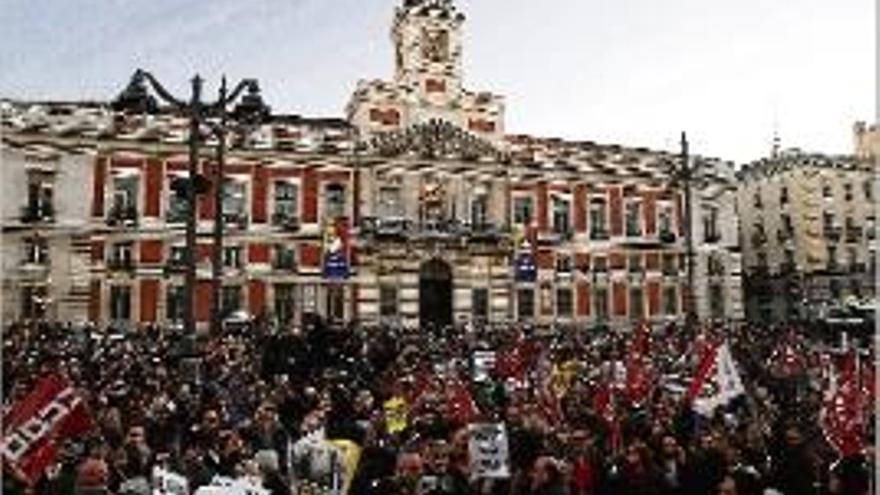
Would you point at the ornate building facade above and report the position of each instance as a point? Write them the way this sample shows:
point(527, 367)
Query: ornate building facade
point(417, 209)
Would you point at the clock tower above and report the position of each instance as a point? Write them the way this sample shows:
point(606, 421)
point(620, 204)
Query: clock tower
point(428, 80)
point(427, 44)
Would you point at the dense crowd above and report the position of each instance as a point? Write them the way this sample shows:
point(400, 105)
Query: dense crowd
point(254, 401)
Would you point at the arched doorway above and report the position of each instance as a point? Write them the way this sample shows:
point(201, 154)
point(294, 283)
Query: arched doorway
point(435, 294)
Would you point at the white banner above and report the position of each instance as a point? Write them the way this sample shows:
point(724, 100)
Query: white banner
point(488, 450)
point(169, 483)
point(227, 486)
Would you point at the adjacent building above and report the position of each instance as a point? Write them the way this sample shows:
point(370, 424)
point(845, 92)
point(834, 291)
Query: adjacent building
point(418, 208)
point(809, 233)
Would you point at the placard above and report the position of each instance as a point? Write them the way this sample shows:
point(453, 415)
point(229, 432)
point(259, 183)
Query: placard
point(488, 449)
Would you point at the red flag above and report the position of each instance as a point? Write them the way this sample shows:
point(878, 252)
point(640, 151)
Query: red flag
point(512, 362)
point(459, 402)
point(842, 415)
point(638, 374)
point(717, 381)
point(603, 405)
point(37, 424)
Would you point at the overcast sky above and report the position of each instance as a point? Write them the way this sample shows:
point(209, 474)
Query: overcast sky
point(633, 72)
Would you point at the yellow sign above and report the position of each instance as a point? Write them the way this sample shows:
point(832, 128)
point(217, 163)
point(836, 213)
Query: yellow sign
point(396, 411)
point(351, 457)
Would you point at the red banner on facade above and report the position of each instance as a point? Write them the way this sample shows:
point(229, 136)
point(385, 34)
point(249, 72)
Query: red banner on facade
point(38, 424)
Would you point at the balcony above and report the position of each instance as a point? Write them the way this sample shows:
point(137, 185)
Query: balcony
point(120, 264)
point(485, 232)
point(599, 234)
point(759, 238)
point(236, 220)
point(712, 238)
point(783, 236)
point(832, 233)
point(286, 222)
point(853, 234)
point(667, 236)
point(556, 236)
point(38, 213)
point(122, 216)
point(858, 268)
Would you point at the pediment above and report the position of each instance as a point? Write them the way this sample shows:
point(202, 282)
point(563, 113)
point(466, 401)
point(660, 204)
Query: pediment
point(435, 139)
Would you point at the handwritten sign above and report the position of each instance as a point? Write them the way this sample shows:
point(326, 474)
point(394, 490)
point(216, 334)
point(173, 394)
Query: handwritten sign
point(488, 448)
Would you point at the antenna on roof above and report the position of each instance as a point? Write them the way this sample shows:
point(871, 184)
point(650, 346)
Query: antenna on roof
point(774, 151)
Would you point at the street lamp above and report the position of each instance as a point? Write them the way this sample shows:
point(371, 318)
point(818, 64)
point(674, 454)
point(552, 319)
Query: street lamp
point(683, 175)
point(137, 98)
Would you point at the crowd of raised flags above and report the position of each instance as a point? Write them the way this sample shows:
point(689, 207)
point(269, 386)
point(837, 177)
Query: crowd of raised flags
point(507, 410)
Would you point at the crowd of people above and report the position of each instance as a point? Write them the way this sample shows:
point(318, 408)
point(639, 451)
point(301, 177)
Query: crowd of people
point(388, 411)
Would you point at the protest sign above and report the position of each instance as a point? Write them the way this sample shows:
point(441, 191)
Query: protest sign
point(488, 449)
point(396, 411)
point(484, 362)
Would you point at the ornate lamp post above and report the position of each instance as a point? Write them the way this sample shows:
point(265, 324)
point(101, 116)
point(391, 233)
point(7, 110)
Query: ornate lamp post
point(137, 98)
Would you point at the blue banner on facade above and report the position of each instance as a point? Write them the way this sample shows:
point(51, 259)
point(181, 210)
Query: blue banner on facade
point(335, 266)
point(525, 269)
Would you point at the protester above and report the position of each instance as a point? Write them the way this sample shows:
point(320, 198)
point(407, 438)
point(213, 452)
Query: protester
point(324, 409)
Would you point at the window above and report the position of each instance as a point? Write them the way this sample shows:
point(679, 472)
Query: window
point(479, 211)
point(286, 202)
point(525, 303)
point(36, 251)
point(234, 201)
point(563, 263)
point(633, 223)
point(835, 288)
point(758, 202)
point(125, 199)
point(600, 264)
point(787, 225)
point(121, 256)
point(762, 260)
point(285, 257)
point(120, 302)
point(783, 195)
point(230, 299)
point(710, 225)
point(522, 210)
point(600, 303)
point(669, 265)
point(177, 255)
point(232, 256)
point(871, 227)
point(285, 302)
point(716, 301)
point(832, 257)
point(178, 207)
point(670, 300)
point(561, 209)
point(564, 302)
point(390, 204)
point(665, 221)
point(334, 201)
point(388, 306)
point(635, 263)
point(855, 288)
point(40, 207)
point(868, 188)
point(636, 304)
point(789, 260)
point(826, 190)
point(335, 303)
point(480, 304)
point(847, 192)
point(174, 303)
point(852, 258)
point(598, 217)
point(34, 300)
